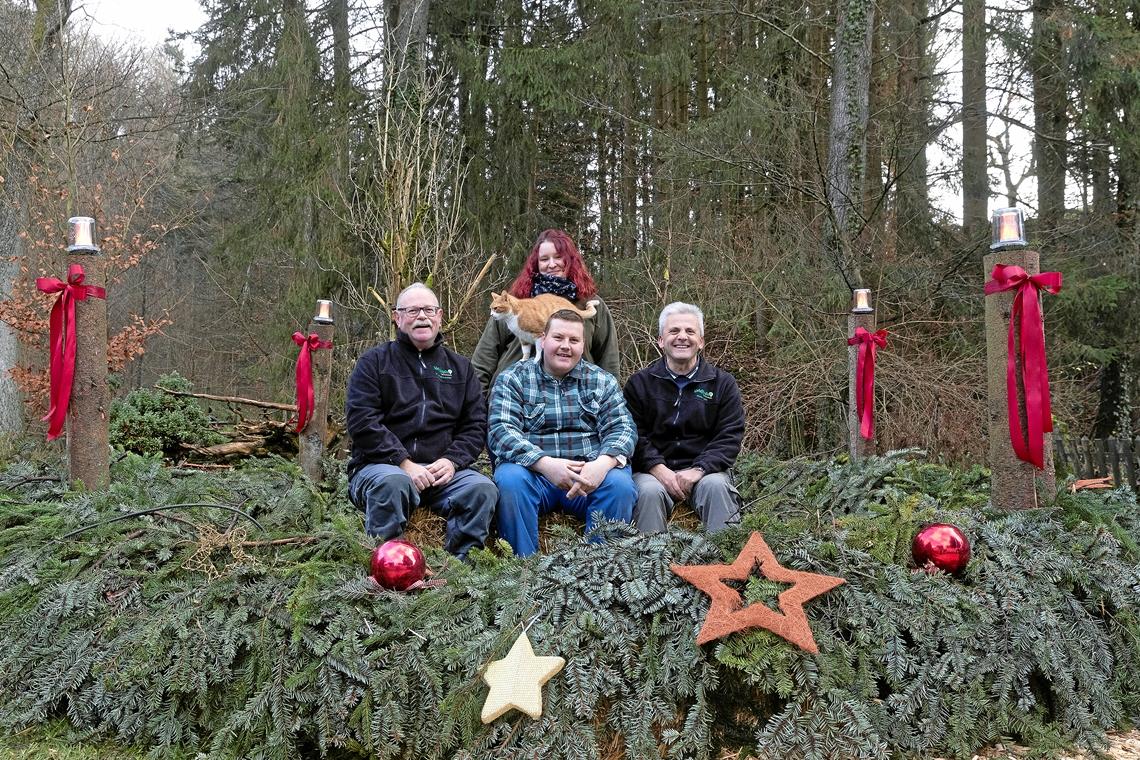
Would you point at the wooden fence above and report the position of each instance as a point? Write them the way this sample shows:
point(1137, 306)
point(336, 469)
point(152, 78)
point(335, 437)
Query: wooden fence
point(1118, 458)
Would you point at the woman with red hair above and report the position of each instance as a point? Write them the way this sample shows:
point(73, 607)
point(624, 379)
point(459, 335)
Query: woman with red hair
point(553, 266)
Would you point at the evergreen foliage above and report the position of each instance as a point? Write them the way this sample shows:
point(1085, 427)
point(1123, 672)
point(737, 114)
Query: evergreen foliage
point(149, 421)
point(191, 630)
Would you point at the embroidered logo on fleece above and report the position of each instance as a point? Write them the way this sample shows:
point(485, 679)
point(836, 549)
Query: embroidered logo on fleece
point(444, 374)
point(703, 395)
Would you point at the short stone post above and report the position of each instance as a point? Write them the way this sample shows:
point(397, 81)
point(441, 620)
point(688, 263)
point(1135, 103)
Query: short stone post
point(89, 413)
point(311, 441)
point(862, 315)
point(1015, 484)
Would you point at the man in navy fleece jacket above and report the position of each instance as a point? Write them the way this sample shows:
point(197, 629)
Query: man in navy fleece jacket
point(417, 419)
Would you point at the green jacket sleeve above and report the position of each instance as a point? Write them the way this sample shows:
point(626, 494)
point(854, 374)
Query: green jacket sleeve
point(604, 343)
point(489, 352)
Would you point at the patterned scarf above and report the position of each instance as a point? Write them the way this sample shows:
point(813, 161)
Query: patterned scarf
point(559, 286)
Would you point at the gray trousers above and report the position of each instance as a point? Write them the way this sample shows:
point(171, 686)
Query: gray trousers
point(388, 497)
point(714, 498)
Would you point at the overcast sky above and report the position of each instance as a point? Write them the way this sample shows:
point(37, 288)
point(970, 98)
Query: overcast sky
point(144, 22)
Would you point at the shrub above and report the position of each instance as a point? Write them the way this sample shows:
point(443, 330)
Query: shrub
point(150, 421)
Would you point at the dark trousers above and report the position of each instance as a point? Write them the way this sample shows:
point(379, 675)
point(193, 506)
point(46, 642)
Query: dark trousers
point(388, 497)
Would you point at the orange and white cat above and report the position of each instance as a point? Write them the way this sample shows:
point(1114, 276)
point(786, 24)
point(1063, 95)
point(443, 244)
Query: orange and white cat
point(526, 317)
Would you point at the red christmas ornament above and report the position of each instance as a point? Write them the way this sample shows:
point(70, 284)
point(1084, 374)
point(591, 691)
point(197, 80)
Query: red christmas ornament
point(397, 564)
point(941, 545)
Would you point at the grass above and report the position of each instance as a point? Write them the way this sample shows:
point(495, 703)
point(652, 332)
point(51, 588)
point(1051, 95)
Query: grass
point(53, 741)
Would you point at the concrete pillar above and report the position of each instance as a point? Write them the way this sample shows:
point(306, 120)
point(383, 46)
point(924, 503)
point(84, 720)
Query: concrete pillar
point(311, 441)
point(1014, 484)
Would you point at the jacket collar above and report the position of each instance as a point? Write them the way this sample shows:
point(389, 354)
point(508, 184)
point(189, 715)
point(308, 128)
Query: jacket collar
point(403, 339)
point(705, 370)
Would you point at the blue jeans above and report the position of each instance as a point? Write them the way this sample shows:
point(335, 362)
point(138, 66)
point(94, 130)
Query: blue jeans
point(524, 495)
point(387, 497)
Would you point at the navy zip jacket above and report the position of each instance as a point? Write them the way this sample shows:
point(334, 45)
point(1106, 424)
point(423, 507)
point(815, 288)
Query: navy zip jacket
point(403, 403)
point(701, 425)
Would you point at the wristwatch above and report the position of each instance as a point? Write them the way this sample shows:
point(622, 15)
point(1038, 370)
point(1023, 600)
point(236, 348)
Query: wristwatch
point(622, 461)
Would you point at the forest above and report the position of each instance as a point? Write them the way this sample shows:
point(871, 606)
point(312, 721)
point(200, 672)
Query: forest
point(759, 159)
point(762, 160)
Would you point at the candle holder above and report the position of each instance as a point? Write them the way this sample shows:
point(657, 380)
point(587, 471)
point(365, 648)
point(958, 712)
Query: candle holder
point(861, 301)
point(324, 313)
point(1008, 229)
point(81, 235)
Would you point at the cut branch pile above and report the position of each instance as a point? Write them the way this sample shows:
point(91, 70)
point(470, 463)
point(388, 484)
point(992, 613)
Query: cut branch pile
point(260, 436)
point(150, 616)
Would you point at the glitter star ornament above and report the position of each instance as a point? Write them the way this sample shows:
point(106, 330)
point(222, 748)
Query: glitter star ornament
point(727, 614)
point(516, 681)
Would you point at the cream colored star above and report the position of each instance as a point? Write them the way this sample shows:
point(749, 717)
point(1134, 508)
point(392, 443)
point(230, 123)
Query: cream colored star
point(516, 681)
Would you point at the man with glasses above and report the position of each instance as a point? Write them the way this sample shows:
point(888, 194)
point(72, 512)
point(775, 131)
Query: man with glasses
point(417, 419)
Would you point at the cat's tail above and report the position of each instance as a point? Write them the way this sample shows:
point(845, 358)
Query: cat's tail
point(590, 310)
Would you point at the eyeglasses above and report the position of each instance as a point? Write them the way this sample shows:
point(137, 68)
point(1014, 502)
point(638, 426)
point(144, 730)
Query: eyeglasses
point(411, 311)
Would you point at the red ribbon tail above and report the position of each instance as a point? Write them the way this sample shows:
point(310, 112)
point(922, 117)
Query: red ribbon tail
point(304, 380)
point(1036, 377)
point(866, 381)
point(60, 389)
point(1016, 434)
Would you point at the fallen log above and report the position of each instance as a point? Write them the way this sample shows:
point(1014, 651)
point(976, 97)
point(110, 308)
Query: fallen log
point(231, 449)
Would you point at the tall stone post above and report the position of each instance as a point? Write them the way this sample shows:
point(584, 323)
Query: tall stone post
point(89, 413)
point(311, 442)
point(1015, 484)
point(862, 315)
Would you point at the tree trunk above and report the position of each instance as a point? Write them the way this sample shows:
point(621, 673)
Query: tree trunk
point(1113, 418)
point(605, 213)
point(873, 184)
point(629, 178)
point(11, 222)
point(49, 22)
point(913, 130)
point(409, 35)
point(975, 180)
point(1049, 117)
point(847, 134)
point(342, 88)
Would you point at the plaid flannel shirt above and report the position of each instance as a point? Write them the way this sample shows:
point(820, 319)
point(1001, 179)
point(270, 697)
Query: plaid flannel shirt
point(579, 417)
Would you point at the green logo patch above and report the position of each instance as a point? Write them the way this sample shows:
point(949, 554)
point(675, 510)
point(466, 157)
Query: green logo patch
point(444, 374)
point(703, 395)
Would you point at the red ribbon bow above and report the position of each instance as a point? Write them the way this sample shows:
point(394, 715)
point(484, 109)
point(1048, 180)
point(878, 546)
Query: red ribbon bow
point(61, 338)
point(868, 343)
point(305, 400)
point(1034, 371)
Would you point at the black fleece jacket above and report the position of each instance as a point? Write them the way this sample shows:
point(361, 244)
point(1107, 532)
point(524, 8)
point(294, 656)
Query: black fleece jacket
point(701, 425)
point(403, 403)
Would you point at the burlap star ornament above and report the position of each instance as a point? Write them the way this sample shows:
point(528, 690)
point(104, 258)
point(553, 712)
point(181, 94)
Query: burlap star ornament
point(516, 681)
point(727, 614)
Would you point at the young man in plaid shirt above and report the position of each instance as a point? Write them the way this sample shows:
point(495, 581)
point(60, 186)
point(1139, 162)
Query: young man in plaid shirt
point(562, 436)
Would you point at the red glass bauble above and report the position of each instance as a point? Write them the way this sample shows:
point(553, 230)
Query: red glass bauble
point(942, 545)
point(397, 564)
